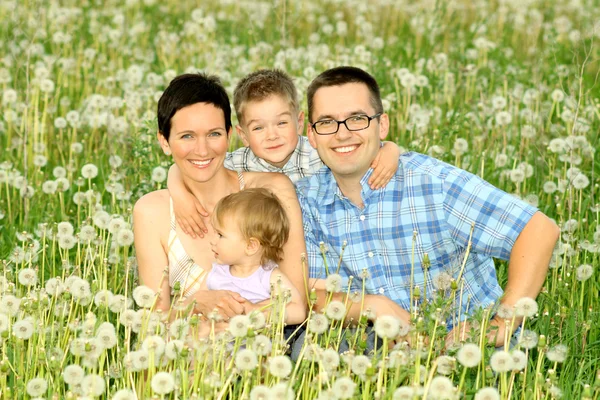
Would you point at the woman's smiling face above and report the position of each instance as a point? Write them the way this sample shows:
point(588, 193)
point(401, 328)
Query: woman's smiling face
point(198, 141)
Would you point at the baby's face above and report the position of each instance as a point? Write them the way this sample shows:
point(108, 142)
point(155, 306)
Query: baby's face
point(270, 128)
point(228, 246)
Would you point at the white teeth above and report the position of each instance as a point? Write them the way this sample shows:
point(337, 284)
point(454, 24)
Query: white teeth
point(346, 149)
point(201, 163)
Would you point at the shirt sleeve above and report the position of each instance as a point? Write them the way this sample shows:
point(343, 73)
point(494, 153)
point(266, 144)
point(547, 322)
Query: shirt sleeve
point(237, 160)
point(497, 217)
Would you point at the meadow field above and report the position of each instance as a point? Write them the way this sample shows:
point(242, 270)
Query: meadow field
point(506, 89)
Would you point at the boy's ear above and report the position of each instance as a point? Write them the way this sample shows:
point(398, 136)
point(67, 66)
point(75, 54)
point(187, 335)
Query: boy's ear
point(163, 143)
point(242, 135)
point(252, 246)
point(300, 123)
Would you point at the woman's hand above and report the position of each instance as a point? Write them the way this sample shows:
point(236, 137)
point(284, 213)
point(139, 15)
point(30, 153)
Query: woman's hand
point(227, 303)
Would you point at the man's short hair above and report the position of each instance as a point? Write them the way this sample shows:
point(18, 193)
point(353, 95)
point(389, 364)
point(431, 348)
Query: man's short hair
point(340, 76)
point(258, 214)
point(261, 84)
point(189, 89)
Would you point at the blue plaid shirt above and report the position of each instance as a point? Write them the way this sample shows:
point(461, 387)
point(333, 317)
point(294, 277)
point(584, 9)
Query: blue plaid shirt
point(428, 200)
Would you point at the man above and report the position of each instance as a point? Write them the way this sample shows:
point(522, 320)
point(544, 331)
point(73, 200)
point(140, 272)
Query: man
point(432, 223)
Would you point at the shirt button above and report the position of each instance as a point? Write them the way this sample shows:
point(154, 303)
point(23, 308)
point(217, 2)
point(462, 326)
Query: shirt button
point(370, 254)
point(362, 217)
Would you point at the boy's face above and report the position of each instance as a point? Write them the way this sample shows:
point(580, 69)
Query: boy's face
point(229, 245)
point(270, 127)
point(348, 154)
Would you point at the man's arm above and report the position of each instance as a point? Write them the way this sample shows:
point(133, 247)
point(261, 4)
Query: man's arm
point(529, 259)
point(379, 305)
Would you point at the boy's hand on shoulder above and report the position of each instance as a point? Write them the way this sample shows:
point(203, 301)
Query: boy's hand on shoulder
point(188, 214)
point(384, 165)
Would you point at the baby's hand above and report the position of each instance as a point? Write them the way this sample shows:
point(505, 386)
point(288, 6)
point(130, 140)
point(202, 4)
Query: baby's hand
point(384, 165)
point(188, 214)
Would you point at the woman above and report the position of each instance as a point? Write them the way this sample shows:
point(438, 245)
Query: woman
point(194, 126)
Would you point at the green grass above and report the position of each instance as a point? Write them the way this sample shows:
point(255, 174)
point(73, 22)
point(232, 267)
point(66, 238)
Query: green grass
point(118, 60)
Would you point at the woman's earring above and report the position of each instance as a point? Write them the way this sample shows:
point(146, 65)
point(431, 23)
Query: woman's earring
point(167, 153)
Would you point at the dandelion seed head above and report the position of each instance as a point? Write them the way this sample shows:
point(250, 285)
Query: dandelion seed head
point(280, 366)
point(246, 360)
point(584, 272)
point(162, 383)
point(344, 388)
point(335, 310)
point(487, 393)
point(526, 307)
point(330, 359)
point(318, 324)
point(174, 348)
point(403, 393)
point(558, 353)
point(519, 360)
point(360, 364)
point(282, 391)
point(37, 387)
point(93, 385)
point(387, 326)
point(445, 364)
point(260, 392)
point(73, 374)
point(159, 174)
point(469, 355)
point(333, 283)
point(28, 277)
point(143, 296)
point(239, 325)
point(441, 387)
point(442, 281)
point(501, 361)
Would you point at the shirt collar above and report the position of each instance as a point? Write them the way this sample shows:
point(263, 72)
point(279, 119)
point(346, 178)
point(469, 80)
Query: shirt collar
point(329, 189)
point(290, 163)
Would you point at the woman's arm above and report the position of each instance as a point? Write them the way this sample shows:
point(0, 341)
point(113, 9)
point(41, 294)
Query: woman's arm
point(295, 248)
point(151, 256)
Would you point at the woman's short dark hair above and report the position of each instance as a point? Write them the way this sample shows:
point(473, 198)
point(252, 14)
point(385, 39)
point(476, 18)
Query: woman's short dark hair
point(340, 76)
point(189, 89)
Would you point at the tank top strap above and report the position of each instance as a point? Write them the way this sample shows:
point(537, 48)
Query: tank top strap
point(241, 180)
point(172, 214)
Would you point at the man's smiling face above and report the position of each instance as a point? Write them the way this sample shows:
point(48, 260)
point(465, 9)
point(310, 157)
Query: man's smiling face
point(348, 154)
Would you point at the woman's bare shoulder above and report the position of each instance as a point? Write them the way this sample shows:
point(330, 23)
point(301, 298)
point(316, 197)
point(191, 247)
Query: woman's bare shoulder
point(156, 202)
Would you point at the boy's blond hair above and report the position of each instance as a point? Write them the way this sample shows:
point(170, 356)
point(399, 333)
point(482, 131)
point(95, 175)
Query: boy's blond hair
point(260, 215)
point(259, 85)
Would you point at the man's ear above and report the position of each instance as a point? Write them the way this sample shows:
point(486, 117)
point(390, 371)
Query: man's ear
point(163, 143)
point(311, 136)
point(300, 123)
point(242, 135)
point(252, 246)
point(384, 126)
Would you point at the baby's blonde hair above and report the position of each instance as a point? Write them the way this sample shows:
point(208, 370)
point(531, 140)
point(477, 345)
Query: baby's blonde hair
point(260, 215)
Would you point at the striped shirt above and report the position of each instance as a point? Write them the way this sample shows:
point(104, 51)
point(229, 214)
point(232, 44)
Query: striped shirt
point(304, 161)
point(427, 207)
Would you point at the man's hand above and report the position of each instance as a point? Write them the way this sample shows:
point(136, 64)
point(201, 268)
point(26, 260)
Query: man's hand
point(227, 303)
point(188, 214)
point(497, 330)
point(381, 305)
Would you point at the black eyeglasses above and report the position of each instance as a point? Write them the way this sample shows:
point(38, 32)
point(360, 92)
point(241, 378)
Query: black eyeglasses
point(353, 123)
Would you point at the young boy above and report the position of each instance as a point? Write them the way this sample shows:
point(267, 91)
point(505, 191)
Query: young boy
point(270, 126)
point(252, 228)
